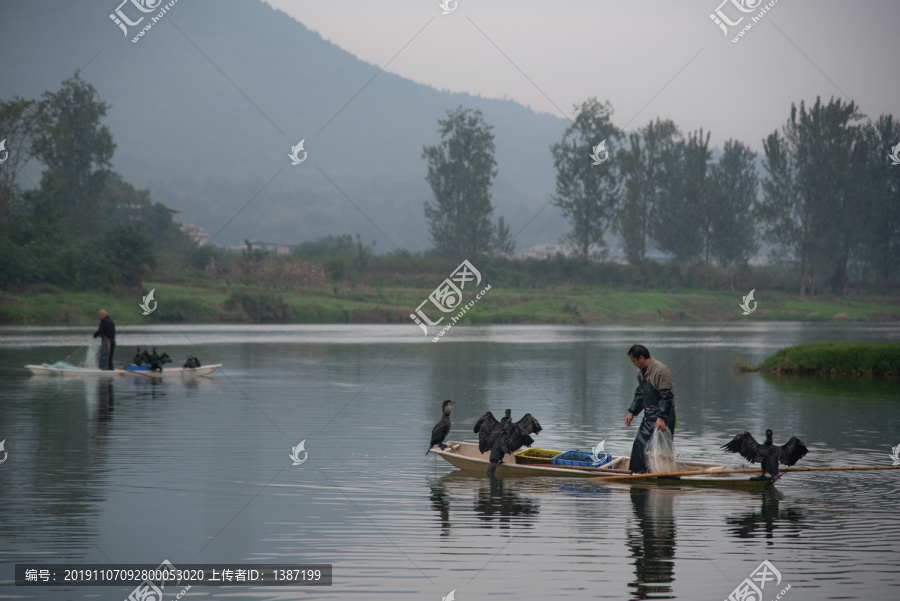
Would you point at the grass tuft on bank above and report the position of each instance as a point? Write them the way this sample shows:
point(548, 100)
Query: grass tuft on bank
point(833, 358)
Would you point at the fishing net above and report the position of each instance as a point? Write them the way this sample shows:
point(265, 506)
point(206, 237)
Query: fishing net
point(660, 453)
point(92, 354)
point(60, 365)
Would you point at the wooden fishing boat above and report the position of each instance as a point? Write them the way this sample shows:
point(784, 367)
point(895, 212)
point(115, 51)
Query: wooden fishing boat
point(169, 372)
point(466, 456)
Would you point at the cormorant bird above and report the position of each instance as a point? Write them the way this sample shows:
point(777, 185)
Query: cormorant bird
point(155, 361)
point(507, 419)
point(442, 428)
point(768, 455)
point(487, 428)
point(512, 438)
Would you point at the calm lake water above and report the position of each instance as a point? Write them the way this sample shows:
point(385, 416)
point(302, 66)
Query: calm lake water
point(133, 470)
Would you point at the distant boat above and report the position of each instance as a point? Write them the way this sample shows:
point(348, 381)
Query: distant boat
point(175, 372)
point(169, 372)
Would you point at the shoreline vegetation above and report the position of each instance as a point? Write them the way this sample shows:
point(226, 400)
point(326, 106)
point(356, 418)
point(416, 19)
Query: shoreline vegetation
point(834, 358)
point(84, 238)
point(336, 303)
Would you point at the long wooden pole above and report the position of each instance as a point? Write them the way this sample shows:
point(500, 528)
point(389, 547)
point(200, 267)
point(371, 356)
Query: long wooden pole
point(575, 467)
point(746, 471)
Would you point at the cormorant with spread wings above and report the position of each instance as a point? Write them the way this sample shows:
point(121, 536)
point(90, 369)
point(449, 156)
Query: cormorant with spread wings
point(768, 455)
point(488, 429)
point(515, 436)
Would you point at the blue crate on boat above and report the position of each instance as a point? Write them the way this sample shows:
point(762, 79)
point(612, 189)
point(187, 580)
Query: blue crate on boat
point(581, 459)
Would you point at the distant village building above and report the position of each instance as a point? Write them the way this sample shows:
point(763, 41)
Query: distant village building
point(274, 247)
point(543, 251)
point(194, 230)
point(197, 233)
point(595, 252)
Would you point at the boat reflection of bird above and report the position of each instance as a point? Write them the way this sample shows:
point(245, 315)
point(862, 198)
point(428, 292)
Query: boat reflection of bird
point(487, 428)
point(512, 438)
point(770, 517)
point(442, 428)
point(768, 454)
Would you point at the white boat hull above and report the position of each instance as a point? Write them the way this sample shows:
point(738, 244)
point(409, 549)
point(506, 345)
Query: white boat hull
point(177, 372)
point(170, 372)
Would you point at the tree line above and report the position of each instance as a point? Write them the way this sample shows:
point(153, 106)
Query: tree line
point(829, 197)
point(83, 226)
point(828, 201)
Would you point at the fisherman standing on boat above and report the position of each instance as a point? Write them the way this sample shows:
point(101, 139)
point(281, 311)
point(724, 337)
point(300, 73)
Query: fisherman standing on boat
point(655, 398)
point(107, 334)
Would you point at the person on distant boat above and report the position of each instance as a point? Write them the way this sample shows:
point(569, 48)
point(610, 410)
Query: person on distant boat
point(138, 358)
point(655, 397)
point(107, 334)
point(191, 363)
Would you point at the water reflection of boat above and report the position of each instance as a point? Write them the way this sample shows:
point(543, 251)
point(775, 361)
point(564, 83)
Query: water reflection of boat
point(493, 500)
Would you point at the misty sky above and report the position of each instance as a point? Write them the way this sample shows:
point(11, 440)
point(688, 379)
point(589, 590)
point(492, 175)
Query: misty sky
point(627, 52)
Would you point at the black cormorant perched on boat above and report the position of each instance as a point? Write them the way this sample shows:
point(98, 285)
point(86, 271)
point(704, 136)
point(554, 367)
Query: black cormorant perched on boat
point(442, 428)
point(507, 419)
point(767, 454)
point(154, 360)
point(487, 428)
point(512, 438)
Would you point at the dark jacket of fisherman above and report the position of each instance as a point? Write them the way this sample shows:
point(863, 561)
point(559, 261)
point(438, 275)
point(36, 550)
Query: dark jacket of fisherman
point(107, 329)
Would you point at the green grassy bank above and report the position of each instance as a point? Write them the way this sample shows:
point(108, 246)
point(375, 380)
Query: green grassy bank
point(208, 302)
point(879, 359)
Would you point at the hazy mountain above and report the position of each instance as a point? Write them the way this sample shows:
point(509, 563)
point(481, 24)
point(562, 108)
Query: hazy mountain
point(206, 106)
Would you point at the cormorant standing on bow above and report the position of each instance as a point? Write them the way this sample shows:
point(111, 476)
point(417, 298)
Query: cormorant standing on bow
point(442, 428)
point(507, 419)
point(767, 454)
point(138, 358)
